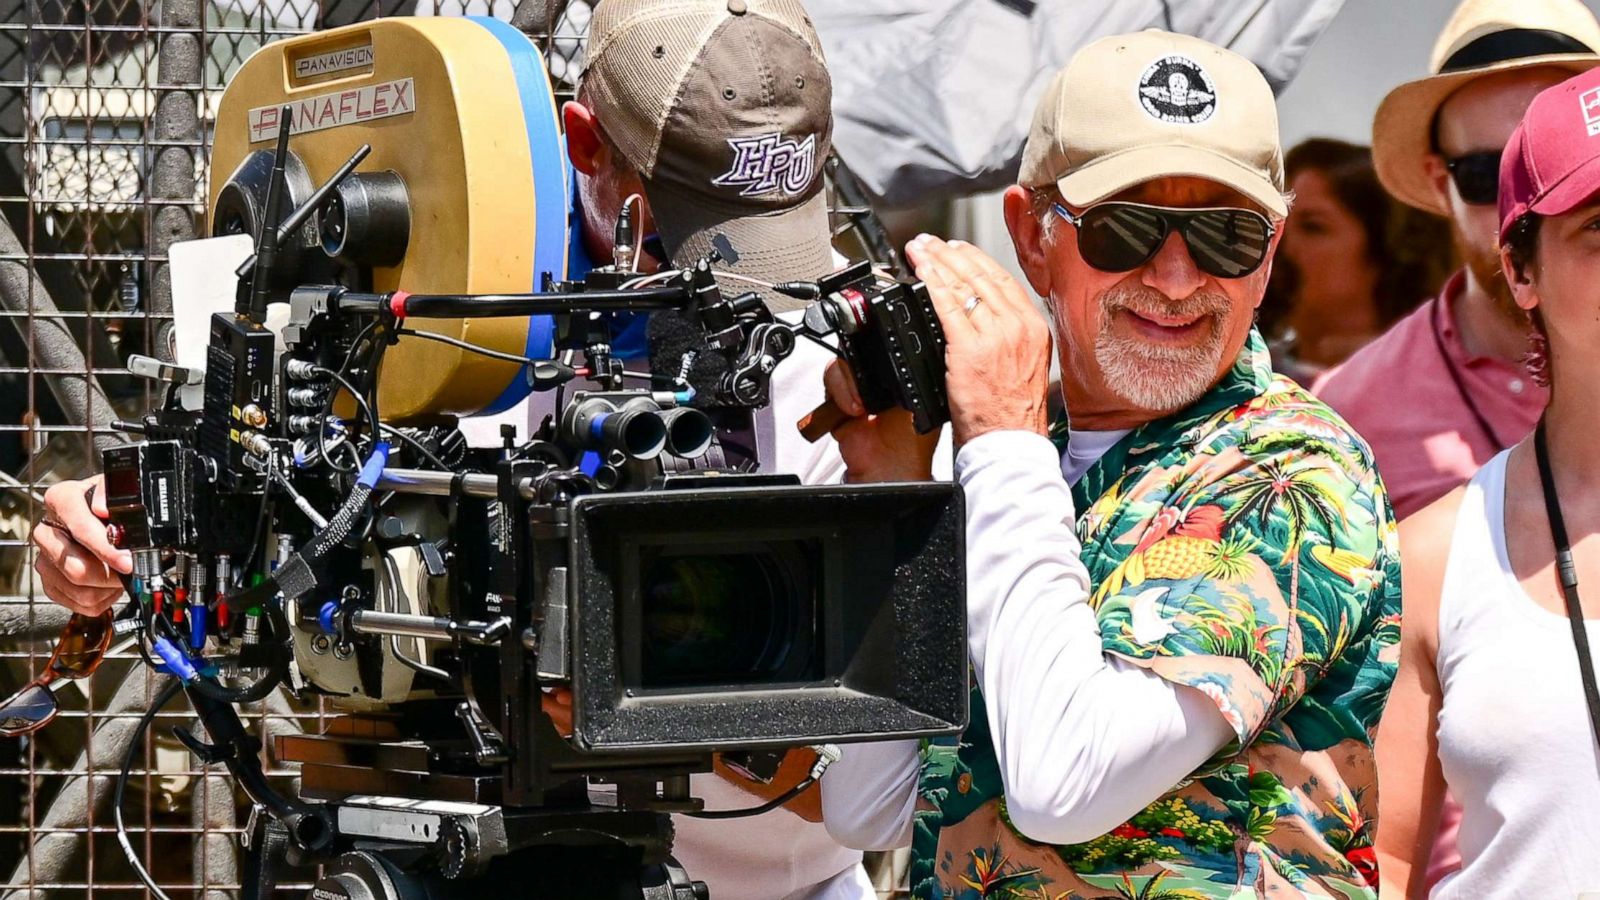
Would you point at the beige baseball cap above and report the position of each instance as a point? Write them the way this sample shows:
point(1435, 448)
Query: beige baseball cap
point(725, 108)
point(1135, 107)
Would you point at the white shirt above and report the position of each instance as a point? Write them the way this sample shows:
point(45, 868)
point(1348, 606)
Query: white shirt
point(1515, 742)
point(1084, 740)
point(777, 854)
point(1084, 449)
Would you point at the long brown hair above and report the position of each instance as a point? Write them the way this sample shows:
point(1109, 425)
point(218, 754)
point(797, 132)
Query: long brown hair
point(1411, 249)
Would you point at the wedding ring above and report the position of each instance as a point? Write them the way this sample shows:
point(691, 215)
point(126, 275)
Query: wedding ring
point(971, 304)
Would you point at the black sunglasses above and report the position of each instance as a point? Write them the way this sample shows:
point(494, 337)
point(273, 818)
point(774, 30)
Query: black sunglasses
point(1226, 242)
point(1477, 176)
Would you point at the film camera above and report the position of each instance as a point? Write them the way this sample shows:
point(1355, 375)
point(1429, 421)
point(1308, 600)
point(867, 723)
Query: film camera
point(304, 512)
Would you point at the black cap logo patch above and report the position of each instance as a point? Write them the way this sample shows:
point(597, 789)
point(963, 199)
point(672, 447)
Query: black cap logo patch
point(1176, 90)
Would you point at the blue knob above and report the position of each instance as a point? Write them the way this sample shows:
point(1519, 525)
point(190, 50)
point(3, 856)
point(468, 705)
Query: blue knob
point(328, 615)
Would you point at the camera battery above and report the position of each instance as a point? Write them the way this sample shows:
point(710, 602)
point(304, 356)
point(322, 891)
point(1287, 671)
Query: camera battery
point(147, 494)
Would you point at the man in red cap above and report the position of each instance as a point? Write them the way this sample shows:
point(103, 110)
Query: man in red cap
point(1496, 696)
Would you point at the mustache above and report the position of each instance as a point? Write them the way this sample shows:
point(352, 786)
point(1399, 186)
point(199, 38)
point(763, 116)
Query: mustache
point(1142, 300)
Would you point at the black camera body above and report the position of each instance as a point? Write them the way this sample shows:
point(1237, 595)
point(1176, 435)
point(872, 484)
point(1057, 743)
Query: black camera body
point(892, 339)
point(287, 533)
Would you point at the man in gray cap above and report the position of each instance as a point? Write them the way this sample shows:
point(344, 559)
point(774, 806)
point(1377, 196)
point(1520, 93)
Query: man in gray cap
point(719, 110)
point(718, 114)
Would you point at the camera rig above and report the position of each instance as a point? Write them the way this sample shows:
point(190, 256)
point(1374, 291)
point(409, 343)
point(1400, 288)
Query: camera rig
point(303, 513)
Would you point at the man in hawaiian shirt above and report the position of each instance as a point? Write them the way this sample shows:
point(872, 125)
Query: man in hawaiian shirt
point(1176, 697)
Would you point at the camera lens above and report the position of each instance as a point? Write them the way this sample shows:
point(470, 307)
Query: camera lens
point(728, 618)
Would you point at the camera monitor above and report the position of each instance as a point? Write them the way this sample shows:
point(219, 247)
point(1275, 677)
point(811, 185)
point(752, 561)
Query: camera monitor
point(807, 614)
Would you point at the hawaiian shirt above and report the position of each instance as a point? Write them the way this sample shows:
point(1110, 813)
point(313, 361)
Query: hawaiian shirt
point(1243, 547)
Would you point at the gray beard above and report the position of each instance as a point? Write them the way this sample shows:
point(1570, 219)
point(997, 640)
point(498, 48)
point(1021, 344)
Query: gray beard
point(1154, 377)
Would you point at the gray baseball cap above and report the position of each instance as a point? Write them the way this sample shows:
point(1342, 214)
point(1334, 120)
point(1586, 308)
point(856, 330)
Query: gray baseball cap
point(724, 107)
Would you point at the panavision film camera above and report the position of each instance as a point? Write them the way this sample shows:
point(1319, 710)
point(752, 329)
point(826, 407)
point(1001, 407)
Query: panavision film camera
point(305, 514)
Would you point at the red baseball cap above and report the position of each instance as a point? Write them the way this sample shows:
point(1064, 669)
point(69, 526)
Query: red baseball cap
point(1551, 165)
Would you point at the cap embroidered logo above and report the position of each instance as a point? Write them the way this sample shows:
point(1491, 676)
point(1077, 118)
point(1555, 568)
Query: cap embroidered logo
point(1176, 90)
point(1590, 101)
point(770, 162)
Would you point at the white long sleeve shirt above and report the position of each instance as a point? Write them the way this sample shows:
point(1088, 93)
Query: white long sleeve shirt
point(1084, 740)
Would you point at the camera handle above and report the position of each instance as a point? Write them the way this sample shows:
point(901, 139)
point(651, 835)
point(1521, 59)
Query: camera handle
point(309, 827)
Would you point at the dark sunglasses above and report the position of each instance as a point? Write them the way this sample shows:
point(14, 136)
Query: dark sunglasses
point(79, 651)
point(1118, 237)
point(1477, 176)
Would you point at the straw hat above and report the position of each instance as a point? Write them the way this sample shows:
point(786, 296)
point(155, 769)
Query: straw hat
point(1483, 37)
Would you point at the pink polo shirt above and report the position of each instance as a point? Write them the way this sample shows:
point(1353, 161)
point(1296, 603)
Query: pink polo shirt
point(1432, 412)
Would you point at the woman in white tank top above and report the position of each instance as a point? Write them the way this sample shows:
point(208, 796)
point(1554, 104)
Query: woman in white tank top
point(1490, 696)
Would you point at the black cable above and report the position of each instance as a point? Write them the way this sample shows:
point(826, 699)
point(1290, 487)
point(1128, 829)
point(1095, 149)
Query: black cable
point(255, 542)
point(420, 447)
point(256, 690)
point(766, 807)
point(327, 403)
point(162, 699)
point(380, 344)
point(355, 455)
point(366, 411)
point(471, 348)
point(322, 449)
point(823, 344)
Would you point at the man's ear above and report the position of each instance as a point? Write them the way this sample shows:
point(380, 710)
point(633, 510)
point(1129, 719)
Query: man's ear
point(584, 146)
point(1438, 178)
point(1028, 237)
point(1521, 279)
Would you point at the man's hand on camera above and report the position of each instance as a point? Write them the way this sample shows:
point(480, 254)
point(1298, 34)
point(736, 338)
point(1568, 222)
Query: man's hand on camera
point(877, 446)
point(997, 355)
point(557, 704)
point(77, 565)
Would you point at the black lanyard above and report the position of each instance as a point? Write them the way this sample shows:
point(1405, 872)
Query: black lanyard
point(1568, 573)
point(1455, 378)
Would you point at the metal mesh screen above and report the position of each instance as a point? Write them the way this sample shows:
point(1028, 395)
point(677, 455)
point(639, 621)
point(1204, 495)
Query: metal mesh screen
point(105, 108)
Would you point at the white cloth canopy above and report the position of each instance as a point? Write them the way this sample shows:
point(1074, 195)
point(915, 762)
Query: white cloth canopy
point(934, 97)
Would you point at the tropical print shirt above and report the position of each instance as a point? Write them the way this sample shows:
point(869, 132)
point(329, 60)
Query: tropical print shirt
point(1243, 547)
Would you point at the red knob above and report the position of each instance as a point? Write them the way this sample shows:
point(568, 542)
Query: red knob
point(115, 534)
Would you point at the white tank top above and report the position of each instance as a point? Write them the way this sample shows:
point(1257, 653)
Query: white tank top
point(1515, 741)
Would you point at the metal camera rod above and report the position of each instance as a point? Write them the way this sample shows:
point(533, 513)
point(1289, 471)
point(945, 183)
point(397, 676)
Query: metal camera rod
point(444, 484)
point(693, 289)
point(478, 306)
